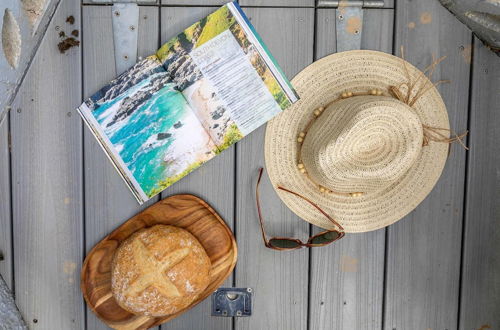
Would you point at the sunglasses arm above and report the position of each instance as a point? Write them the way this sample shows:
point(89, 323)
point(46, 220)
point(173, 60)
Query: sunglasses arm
point(266, 242)
point(314, 205)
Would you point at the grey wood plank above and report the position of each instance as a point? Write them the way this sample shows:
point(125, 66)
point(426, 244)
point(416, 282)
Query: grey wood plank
point(282, 3)
point(376, 34)
point(110, 2)
point(47, 184)
point(279, 279)
point(294, 3)
point(214, 181)
point(423, 261)
point(195, 3)
point(480, 290)
point(6, 270)
point(326, 37)
point(347, 278)
point(108, 202)
point(148, 31)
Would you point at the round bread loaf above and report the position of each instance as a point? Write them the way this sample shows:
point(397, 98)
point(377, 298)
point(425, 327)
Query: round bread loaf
point(158, 271)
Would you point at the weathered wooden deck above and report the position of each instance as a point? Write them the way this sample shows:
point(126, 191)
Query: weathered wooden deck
point(437, 269)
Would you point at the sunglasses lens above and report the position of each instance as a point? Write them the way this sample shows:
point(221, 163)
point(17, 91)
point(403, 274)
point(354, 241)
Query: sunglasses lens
point(283, 243)
point(325, 238)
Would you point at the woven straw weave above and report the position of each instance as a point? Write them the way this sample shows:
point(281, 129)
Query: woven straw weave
point(369, 144)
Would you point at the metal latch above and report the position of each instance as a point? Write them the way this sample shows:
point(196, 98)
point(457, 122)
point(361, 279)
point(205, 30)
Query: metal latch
point(232, 302)
point(349, 20)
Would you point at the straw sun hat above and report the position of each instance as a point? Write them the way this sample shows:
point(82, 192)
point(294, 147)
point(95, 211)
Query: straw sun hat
point(363, 142)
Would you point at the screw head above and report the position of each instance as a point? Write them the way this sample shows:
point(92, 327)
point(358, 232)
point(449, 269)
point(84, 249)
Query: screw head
point(132, 28)
point(341, 17)
point(238, 313)
point(117, 13)
point(249, 290)
point(231, 296)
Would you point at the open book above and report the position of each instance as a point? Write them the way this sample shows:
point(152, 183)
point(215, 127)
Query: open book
point(202, 91)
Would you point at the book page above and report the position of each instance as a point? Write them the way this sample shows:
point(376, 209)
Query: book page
point(234, 79)
point(223, 76)
point(149, 129)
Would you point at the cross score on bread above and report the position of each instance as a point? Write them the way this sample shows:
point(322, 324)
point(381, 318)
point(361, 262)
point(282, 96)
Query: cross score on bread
point(153, 270)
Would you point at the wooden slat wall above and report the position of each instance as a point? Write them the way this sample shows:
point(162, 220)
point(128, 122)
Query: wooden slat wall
point(279, 280)
point(194, 3)
point(294, 3)
point(347, 278)
point(47, 184)
point(423, 261)
point(110, 2)
point(6, 270)
point(480, 293)
point(214, 181)
point(282, 3)
point(108, 202)
point(57, 166)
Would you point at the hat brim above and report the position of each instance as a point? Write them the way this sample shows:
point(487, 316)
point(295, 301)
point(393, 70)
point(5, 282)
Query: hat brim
point(323, 81)
point(185, 211)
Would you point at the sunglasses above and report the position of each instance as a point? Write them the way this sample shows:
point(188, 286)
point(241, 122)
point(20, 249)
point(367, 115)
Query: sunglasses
point(285, 243)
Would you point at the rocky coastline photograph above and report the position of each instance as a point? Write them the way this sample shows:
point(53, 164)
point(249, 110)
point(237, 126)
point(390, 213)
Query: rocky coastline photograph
point(151, 126)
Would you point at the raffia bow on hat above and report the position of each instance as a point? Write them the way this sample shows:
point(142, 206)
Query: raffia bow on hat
point(366, 154)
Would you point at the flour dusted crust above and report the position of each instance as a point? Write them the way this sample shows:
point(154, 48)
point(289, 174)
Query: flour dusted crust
point(159, 271)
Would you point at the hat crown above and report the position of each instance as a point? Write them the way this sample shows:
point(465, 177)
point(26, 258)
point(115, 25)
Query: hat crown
point(362, 144)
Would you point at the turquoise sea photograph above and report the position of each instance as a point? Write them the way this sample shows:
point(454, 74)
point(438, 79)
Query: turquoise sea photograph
point(153, 130)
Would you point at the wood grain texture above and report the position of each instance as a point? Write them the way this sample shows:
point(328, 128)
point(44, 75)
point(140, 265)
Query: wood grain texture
point(47, 184)
point(214, 181)
point(194, 3)
point(347, 277)
point(293, 3)
point(279, 279)
point(108, 201)
point(148, 32)
point(183, 211)
point(6, 270)
point(282, 3)
point(110, 2)
point(480, 291)
point(423, 261)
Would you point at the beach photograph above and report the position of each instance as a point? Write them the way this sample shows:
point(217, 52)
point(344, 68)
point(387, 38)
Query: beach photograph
point(152, 128)
point(212, 113)
point(176, 59)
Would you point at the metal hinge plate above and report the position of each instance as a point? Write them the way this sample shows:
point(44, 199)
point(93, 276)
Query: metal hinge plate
point(125, 34)
point(232, 302)
point(349, 20)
